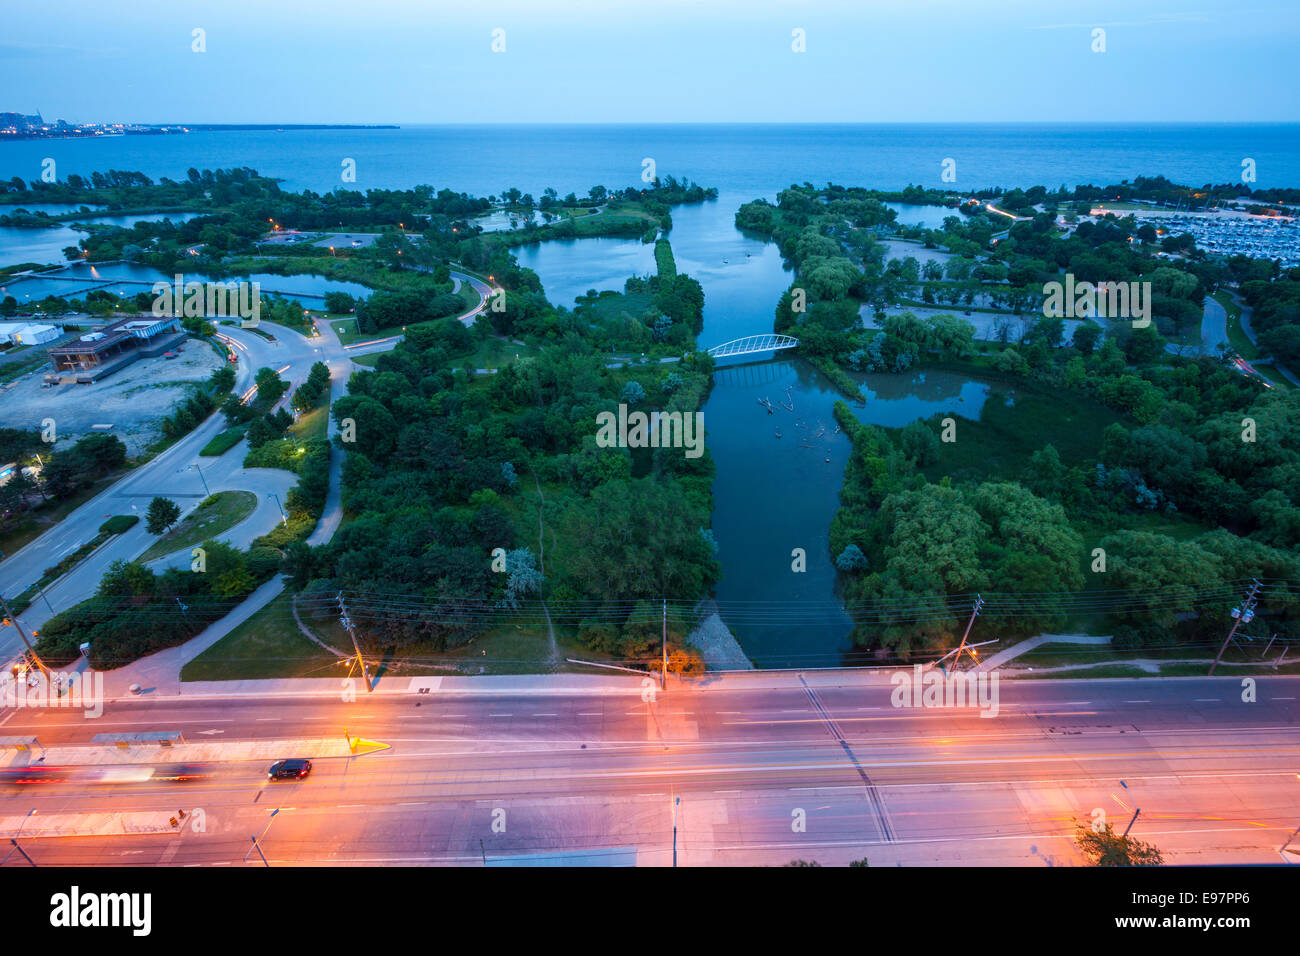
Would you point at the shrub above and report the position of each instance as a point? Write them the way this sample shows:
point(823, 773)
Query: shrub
point(222, 442)
point(118, 524)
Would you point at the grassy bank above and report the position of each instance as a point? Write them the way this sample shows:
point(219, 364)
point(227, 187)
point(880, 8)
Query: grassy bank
point(214, 516)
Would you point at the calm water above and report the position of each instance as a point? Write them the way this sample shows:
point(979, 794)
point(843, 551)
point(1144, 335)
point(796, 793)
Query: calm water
point(752, 160)
point(53, 208)
point(46, 246)
point(126, 279)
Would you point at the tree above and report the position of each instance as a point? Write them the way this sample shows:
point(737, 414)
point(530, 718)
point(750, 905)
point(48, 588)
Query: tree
point(522, 576)
point(920, 443)
point(1107, 848)
point(1085, 336)
point(163, 513)
point(339, 302)
point(851, 559)
point(1144, 346)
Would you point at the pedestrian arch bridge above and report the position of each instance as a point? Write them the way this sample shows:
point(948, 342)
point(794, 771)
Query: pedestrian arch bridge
point(753, 343)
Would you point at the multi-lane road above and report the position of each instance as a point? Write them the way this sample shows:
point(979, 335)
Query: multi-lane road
point(757, 769)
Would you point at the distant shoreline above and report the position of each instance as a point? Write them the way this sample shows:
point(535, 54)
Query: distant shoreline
point(221, 127)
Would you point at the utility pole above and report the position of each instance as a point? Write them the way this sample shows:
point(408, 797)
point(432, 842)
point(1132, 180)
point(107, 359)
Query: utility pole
point(974, 613)
point(32, 812)
point(23, 634)
point(675, 801)
point(347, 622)
point(1131, 822)
point(257, 846)
point(1136, 811)
point(1243, 614)
point(663, 674)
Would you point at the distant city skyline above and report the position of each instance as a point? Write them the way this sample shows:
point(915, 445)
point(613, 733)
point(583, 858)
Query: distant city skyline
point(652, 61)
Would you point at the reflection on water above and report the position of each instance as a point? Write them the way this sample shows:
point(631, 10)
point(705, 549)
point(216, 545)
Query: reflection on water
point(571, 267)
point(46, 245)
point(127, 279)
point(777, 489)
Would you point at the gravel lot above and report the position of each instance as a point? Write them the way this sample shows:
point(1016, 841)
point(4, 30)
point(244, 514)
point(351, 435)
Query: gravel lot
point(134, 401)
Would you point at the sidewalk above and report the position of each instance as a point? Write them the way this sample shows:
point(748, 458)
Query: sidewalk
point(1001, 657)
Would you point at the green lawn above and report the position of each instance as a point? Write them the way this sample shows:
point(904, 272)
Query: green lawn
point(269, 646)
point(610, 306)
point(313, 424)
point(222, 442)
point(266, 646)
point(494, 353)
point(215, 515)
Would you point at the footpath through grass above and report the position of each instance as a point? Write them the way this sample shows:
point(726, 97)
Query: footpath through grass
point(267, 646)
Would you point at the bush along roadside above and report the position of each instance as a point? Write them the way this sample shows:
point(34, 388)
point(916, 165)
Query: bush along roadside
point(136, 612)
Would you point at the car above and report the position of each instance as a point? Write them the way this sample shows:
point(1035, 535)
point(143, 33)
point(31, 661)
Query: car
point(169, 355)
point(293, 769)
point(182, 772)
point(30, 775)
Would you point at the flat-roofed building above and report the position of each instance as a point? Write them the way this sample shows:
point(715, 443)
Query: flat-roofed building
point(102, 352)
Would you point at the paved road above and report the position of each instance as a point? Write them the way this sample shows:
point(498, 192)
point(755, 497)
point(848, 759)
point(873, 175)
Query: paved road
point(468, 318)
point(750, 759)
point(169, 474)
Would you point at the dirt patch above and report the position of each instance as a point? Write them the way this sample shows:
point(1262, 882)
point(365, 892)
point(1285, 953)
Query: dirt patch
point(134, 401)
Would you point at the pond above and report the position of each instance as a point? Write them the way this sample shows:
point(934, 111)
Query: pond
point(931, 217)
point(127, 279)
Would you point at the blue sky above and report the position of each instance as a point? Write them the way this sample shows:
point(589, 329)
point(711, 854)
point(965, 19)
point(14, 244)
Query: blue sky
point(648, 61)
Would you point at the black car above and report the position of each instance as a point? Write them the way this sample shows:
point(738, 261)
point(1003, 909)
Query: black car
point(294, 769)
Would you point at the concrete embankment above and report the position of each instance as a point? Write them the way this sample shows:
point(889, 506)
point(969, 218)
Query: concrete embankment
point(716, 644)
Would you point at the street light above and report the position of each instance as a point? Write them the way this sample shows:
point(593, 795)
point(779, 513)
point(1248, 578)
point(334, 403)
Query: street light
point(195, 467)
point(283, 516)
